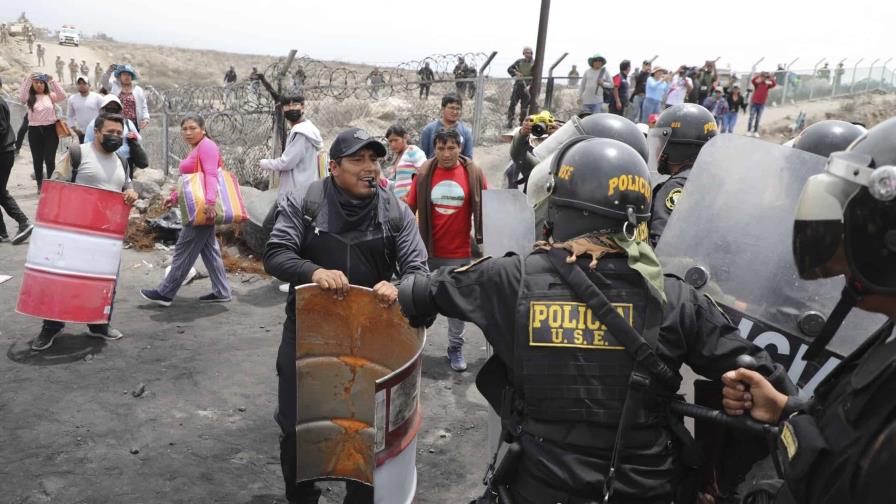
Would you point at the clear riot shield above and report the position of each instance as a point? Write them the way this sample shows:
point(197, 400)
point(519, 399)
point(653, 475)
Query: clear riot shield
point(730, 237)
point(358, 392)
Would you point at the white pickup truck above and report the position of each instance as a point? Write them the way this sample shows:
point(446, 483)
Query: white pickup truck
point(69, 35)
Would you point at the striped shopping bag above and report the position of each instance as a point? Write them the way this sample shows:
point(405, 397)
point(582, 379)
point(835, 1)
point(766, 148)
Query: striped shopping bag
point(229, 205)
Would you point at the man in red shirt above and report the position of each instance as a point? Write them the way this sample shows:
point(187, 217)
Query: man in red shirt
point(762, 83)
point(448, 194)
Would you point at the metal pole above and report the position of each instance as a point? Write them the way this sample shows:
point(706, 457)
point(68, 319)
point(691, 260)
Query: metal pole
point(855, 68)
point(814, 76)
point(870, 73)
point(748, 78)
point(166, 149)
point(883, 74)
point(480, 94)
point(549, 90)
point(835, 83)
point(787, 80)
point(655, 56)
point(535, 87)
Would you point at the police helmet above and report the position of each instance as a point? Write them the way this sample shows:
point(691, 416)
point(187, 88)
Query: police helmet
point(598, 185)
point(617, 128)
point(679, 134)
point(826, 137)
point(846, 217)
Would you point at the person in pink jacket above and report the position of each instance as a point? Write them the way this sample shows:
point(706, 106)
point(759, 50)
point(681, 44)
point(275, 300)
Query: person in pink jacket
point(41, 93)
point(196, 240)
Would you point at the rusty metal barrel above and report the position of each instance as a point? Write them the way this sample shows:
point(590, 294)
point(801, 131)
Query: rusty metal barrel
point(358, 392)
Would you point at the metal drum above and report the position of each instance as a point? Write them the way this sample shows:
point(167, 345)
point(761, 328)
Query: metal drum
point(358, 392)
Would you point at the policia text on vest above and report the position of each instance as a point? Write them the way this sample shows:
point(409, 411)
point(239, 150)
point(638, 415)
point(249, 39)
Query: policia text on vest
point(566, 324)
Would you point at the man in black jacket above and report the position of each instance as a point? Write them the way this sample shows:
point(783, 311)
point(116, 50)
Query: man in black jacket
point(346, 229)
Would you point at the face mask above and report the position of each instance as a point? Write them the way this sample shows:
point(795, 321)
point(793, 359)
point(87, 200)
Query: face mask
point(111, 143)
point(293, 115)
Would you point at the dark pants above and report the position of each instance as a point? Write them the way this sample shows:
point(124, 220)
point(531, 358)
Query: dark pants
point(43, 142)
point(520, 95)
point(23, 130)
point(55, 324)
point(81, 142)
point(424, 90)
point(301, 493)
point(7, 203)
point(617, 111)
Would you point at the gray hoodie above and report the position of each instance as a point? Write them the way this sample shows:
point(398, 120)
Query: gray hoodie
point(298, 164)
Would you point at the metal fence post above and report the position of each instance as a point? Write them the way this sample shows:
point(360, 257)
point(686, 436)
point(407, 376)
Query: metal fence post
point(883, 74)
point(855, 68)
point(814, 76)
point(748, 79)
point(787, 80)
point(166, 149)
point(480, 95)
point(870, 74)
point(549, 88)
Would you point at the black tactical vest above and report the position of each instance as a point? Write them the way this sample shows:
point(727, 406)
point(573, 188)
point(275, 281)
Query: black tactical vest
point(824, 446)
point(570, 374)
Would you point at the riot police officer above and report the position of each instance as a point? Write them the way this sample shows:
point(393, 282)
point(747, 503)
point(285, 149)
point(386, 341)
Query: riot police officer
point(840, 446)
point(588, 338)
point(826, 137)
point(675, 142)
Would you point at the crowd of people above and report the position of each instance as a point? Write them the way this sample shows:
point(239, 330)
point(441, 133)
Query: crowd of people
point(417, 223)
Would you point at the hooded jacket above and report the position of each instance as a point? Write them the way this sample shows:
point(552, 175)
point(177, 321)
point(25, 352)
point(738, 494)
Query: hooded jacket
point(298, 163)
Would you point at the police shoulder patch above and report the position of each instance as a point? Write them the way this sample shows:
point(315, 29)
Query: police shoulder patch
point(672, 198)
point(472, 264)
point(788, 439)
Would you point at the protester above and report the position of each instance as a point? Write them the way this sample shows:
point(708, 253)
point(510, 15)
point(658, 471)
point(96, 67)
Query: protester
point(407, 160)
point(447, 195)
point(196, 240)
point(99, 167)
point(83, 107)
point(133, 99)
point(41, 93)
point(297, 165)
point(762, 83)
point(41, 51)
point(361, 235)
point(707, 79)
point(717, 104)
point(619, 102)
point(736, 104)
point(7, 159)
point(679, 87)
point(112, 105)
point(655, 89)
point(639, 93)
point(521, 71)
point(452, 106)
point(426, 76)
point(594, 84)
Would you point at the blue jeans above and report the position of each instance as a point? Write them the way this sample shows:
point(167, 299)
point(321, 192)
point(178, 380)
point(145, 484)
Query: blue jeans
point(755, 112)
point(650, 106)
point(634, 109)
point(729, 120)
point(593, 108)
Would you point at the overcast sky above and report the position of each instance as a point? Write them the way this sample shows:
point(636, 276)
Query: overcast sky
point(390, 32)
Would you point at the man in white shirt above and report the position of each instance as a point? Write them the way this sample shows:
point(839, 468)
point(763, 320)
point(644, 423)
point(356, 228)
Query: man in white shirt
point(679, 88)
point(82, 107)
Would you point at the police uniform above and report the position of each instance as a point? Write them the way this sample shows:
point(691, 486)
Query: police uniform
point(569, 374)
point(560, 377)
point(665, 196)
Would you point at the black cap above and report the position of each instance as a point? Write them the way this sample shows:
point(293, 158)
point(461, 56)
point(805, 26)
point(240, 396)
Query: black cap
point(352, 140)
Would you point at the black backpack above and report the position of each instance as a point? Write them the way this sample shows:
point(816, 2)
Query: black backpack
point(314, 196)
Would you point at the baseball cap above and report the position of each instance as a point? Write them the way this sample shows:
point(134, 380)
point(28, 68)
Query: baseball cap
point(83, 78)
point(352, 140)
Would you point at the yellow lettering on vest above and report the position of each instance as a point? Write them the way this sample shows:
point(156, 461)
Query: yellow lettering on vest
point(568, 322)
point(555, 316)
point(592, 322)
point(540, 313)
point(577, 337)
point(557, 335)
point(599, 338)
point(581, 324)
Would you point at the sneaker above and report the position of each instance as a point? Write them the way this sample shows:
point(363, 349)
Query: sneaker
point(284, 288)
point(4, 238)
point(212, 298)
point(456, 358)
point(105, 332)
point(23, 234)
point(45, 339)
point(154, 296)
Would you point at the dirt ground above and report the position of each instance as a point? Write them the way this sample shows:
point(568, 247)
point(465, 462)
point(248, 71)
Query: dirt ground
point(204, 429)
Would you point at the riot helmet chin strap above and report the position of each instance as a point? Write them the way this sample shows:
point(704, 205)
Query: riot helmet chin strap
point(849, 298)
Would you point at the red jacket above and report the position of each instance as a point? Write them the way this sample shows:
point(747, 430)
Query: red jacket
point(760, 89)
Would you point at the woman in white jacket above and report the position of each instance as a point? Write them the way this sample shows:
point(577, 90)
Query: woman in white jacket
point(119, 81)
point(298, 166)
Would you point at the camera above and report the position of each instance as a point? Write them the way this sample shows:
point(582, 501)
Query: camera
point(541, 122)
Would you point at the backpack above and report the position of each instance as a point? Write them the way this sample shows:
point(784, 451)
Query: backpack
point(74, 154)
point(314, 196)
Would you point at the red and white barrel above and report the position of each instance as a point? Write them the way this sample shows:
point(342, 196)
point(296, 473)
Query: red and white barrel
point(73, 256)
